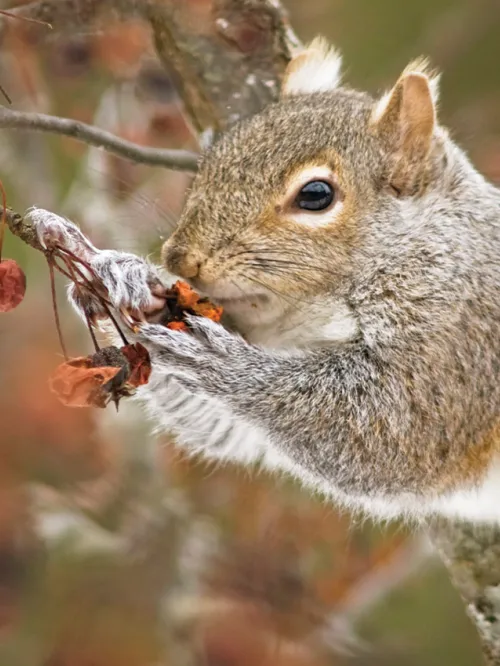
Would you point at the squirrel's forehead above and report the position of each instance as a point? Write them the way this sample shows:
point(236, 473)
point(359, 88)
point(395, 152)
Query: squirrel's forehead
point(287, 133)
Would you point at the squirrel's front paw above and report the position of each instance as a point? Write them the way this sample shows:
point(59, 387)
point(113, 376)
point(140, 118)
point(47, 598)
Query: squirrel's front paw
point(208, 359)
point(132, 285)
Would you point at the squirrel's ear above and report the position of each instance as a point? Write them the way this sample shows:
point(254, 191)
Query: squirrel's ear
point(406, 119)
point(316, 69)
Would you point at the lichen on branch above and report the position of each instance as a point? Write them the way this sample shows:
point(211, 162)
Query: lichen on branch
point(24, 230)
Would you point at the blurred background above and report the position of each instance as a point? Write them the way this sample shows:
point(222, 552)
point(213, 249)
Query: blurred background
point(116, 550)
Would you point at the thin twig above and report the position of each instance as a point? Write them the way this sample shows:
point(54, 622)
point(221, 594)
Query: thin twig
point(25, 18)
point(88, 284)
point(74, 278)
point(55, 308)
point(3, 222)
point(25, 230)
point(5, 94)
point(181, 160)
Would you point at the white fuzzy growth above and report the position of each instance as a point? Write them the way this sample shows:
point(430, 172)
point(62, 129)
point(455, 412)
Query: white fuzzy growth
point(317, 69)
point(53, 230)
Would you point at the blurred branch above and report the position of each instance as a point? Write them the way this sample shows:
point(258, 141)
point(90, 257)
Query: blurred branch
point(472, 556)
point(227, 63)
point(226, 66)
point(64, 14)
point(182, 160)
point(404, 562)
point(337, 632)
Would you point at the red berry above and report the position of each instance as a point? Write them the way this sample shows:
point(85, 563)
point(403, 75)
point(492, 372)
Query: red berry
point(12, 285)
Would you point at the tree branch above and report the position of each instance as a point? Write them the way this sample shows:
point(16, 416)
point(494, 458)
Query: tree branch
point(182, 160)
point(227, 65)
point(472, 555)
point(24, 230)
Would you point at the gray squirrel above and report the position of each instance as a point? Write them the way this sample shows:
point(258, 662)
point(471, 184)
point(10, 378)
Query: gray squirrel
point(356, 252)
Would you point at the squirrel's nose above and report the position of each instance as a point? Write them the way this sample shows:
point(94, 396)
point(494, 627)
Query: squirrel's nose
point(182, 262)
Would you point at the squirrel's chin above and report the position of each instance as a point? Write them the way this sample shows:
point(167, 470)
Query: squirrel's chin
point(251, 313)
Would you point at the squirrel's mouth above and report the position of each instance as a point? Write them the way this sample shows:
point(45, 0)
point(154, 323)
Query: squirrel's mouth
point(232, 297)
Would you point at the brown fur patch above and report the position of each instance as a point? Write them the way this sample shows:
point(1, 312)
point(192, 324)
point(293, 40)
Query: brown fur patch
point(472, 466)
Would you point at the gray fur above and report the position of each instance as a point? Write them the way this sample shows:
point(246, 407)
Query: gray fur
point(398, 411)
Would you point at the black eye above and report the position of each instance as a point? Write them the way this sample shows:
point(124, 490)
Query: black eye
point(316, 195)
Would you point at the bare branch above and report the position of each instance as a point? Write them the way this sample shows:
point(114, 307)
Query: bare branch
point(472, 556)
point(182, 160)
point(403, 563)
point(23, 229)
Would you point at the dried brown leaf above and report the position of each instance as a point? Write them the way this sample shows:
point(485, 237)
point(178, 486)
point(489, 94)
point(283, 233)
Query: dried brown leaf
point(78, 384)
point(12, 285)
point(140, 364)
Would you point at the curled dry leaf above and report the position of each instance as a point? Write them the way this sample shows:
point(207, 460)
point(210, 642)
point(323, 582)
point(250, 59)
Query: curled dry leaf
point(181, 299)
point(108, 375)
point(140, 364)
point(90, 380)
point(184, 294)
point(77, 384)
point(12, 285)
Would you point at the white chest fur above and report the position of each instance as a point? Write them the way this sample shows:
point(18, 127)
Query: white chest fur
point(306, 326)
point(479, 504)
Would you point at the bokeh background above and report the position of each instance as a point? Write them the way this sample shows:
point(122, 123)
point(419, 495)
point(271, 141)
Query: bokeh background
point(116, 550)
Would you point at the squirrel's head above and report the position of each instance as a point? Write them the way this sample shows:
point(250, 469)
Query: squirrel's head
point(281, 199)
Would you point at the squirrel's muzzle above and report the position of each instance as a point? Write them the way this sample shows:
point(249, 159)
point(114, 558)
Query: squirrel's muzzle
point(181, 261)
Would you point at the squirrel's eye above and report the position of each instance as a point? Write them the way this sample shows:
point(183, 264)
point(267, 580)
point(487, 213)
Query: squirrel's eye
point(316, 195)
